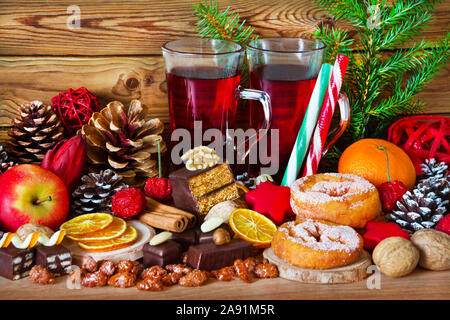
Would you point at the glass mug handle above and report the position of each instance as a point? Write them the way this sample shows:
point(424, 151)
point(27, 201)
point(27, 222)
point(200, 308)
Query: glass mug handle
point(264, 99)
point(336, 133)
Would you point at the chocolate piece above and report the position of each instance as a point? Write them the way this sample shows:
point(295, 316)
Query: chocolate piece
point(15, 263)
point(185, 238)
point(198, 191)
point(162, 254)
point(208, 256)
point(207, 237)
point(57, 259)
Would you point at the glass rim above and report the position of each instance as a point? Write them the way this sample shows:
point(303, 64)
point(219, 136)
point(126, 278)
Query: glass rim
point(165, 48)
point(322, 47)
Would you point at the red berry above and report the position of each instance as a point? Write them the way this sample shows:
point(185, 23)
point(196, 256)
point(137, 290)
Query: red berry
point(378, 231)
point(159, 189)
point(390, 193)
point(128, 203)
point(444, 224)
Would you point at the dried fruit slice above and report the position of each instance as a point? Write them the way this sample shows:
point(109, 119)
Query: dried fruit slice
point(126, 239)
point(87, 223)
point(114, 230)
point(252, 226)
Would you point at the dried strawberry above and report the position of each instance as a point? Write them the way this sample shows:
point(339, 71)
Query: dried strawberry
point(390, 193)
point(444, 224)
point(128, 203)
point(378, 231)
point(159, 189)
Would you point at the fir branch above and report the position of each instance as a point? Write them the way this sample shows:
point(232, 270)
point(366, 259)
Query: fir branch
point(225, 25)
point(337, 42)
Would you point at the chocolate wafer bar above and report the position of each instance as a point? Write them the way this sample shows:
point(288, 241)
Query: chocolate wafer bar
point(57, 259)
point(15, 263)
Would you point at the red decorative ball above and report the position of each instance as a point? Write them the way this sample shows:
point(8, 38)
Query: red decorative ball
point(128, 203)
point(74, 108)
point(390, 193)
point(159, 189)
point(444, 224)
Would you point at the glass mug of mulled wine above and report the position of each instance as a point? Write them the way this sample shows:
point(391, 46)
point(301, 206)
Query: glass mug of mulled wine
point(203, 78)
point(287, 69)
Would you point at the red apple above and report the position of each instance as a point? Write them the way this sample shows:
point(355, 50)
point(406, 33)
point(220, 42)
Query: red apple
point(31, 194)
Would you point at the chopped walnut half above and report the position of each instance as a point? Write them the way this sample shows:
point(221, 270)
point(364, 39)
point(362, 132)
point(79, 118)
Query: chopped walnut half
point(150, 284)
point(195, 278)
point(94, 279)
point(122, 280)
point(41, 275)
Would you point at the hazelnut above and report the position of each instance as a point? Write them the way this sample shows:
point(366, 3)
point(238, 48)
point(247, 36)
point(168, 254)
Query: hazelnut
point(434, 247)
point(395, 256)
point(221, 236)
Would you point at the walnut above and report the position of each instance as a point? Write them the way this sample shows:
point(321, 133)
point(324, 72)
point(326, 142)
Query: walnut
point(178, 268)
point(124, 266)
point(241, 270)
point(151, 284)
point(153, 272)
point(29, 228)
point(171, 278)
point(41, 275)
point(89, 264)
point(122, 280)
point(199, 158)
point(434, 248)
point(107, 267)
point(224, 274)
point(94, 279)
point(195, 278)
point(137, 268)
point(266, 270)
point(395, 256)
point(221, 236)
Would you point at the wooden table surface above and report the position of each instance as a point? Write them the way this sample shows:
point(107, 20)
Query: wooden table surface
point(419, 285)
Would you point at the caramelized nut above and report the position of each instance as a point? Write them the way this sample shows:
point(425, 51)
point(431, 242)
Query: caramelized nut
point(221, 236)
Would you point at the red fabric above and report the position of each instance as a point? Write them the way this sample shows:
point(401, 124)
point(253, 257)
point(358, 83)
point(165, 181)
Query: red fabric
point(270, 200)
point(378, 231)
point(422, 137)
point(444, 224)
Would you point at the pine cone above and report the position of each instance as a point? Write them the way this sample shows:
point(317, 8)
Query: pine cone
point(5, 161)
point(120, 138)
point(418, 210)
point(95, 192)
point(34, 132)
point(432, 169)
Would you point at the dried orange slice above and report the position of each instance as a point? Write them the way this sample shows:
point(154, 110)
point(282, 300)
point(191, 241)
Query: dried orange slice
point(87, 223)
point(242, 190)
point(114, 230)
point(252, 226)
point(125, 240)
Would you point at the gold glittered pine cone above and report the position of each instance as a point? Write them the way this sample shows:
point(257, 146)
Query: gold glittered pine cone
point(34, 132)
point(120, 138)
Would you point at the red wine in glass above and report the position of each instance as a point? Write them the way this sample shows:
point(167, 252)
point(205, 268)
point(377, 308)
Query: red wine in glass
point(290, 90)
point(206, 94)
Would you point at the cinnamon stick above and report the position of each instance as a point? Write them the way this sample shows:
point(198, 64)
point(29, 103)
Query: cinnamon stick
point(165, 217)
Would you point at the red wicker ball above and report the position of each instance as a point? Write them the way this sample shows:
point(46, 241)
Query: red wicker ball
point(74, 108)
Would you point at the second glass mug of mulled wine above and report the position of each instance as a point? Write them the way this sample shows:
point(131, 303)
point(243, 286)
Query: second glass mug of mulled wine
point(287, 69)
point(203, 78)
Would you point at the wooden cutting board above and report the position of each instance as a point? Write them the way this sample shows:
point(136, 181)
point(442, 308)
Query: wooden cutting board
point(351, 273)
point(133, 252)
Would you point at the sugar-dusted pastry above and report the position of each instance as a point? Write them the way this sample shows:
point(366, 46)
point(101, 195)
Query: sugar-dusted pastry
point(340, 198)
point(316, 244)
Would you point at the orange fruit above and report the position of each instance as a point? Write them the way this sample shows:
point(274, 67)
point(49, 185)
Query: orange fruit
point(87, 223)
point(125, 240)
point(378, 161)
point(114, 230)
point(252, 226)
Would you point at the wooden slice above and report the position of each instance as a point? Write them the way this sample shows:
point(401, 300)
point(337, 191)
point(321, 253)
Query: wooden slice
point(133, 252)
point(352, 273)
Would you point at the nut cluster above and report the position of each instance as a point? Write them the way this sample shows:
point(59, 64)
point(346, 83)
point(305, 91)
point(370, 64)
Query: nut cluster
point(199, 158)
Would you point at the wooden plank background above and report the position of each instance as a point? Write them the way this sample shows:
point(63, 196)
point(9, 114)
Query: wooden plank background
point(116, 52)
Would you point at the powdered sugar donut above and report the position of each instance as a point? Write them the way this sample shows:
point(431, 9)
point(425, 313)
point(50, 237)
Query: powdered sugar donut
point(317, 244)
point(340, 198)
